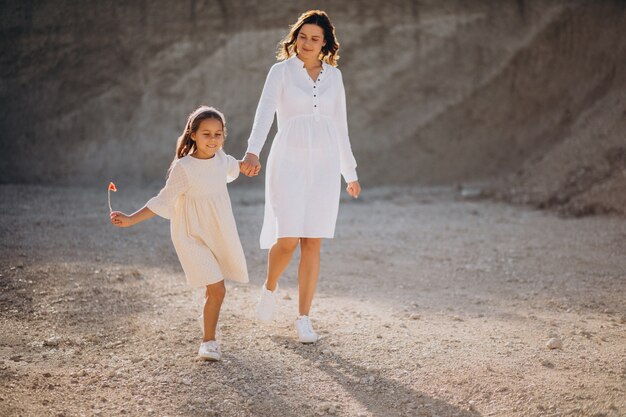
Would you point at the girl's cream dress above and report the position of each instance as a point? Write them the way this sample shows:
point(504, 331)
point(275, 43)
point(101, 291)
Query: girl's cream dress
point(195, 199)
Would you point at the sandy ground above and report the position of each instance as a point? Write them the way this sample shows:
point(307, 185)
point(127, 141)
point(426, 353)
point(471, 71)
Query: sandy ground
point(428, 304)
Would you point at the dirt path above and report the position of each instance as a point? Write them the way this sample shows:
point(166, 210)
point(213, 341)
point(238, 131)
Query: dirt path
point(429, 305)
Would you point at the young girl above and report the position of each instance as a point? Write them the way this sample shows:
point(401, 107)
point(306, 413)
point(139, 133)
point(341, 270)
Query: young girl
point(196, 201)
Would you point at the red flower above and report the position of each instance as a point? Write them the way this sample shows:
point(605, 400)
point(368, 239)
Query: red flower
point(112, 187)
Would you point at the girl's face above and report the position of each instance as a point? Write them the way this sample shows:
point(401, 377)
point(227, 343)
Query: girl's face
point(209, 138)
point(310, 41)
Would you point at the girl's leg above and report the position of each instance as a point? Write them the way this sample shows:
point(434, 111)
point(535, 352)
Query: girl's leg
point(214, 297)
point(278, 260)
point(308, 272)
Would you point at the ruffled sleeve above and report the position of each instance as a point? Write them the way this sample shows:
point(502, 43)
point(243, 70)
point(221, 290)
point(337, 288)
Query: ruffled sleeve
point(232, 170)
point(176, 185)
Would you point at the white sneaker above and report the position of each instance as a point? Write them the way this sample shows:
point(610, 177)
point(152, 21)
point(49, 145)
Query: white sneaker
point(306, 334)
point(267, 304)
point(210, 351)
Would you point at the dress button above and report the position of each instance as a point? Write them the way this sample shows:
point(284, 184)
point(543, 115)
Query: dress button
point(314, 95)
point(315, 105)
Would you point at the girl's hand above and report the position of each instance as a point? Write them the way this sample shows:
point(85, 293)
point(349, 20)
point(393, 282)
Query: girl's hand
point(250, 165)
point(120, 219)
point(354, 189)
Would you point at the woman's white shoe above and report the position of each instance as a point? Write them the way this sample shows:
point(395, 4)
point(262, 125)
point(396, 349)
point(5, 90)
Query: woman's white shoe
point(306, 334)
point(267, 304)
point(210, 351)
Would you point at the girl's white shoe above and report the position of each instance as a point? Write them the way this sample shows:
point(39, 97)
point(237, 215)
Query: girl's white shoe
point(306, 334)
point(210, 351)
point(267, 304)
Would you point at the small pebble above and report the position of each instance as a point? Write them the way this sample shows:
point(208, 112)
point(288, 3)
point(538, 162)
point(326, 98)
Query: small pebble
point(52, 341)
point(554, 343)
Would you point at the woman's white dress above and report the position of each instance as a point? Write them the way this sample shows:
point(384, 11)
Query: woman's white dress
point(195, 199)
point(310, 151)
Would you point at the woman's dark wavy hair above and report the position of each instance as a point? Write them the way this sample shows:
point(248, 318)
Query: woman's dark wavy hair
point(329, 53)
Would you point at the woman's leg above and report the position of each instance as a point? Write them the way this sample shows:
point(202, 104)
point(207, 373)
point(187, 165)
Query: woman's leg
point(214, 297)
point(308, 272)
point(278, 260)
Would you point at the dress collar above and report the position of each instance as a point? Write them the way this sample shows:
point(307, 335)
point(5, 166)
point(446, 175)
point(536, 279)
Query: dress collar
point(297, 62)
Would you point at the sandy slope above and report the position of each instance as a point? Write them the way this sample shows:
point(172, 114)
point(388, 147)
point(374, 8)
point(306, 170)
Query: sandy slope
point(529, 93)
point(429, 305)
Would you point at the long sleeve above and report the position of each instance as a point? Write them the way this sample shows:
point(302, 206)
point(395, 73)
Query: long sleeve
point(176, 185)
point(348, 163)
point(232, 171)
point(268, 103)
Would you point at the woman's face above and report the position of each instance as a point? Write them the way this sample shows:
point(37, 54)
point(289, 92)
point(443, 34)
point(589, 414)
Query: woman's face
point(310, 41)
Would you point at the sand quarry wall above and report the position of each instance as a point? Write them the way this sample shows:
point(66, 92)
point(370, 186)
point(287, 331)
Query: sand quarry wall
point(526, 98)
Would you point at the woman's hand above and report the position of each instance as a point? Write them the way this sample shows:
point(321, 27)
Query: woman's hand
point(120, 219)
point(250, 165)
point(354, 189)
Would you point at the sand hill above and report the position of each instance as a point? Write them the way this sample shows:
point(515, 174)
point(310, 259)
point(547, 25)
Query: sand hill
point(525, 99)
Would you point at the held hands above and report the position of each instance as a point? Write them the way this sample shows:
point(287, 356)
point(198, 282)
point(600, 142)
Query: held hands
point(120, 219)
point(250, 165)
point(354, 189)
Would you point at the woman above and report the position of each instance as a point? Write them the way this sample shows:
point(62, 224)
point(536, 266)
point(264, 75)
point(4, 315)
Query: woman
point(309, 154)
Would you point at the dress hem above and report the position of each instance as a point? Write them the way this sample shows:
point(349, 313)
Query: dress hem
point(204, 284)
point(299, 237)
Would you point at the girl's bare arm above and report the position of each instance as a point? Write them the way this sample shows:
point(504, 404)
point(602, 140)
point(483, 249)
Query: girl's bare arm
point(120, 219)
